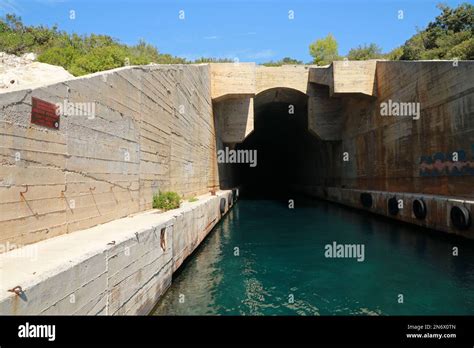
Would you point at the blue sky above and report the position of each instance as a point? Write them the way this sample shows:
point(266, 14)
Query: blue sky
point(249, 30)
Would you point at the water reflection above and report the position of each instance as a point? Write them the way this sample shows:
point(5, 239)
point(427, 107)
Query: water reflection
point(266, 259)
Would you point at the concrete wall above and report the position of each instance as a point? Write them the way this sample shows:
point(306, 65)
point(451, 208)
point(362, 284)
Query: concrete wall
point(285, 76)
point(398, 155)
point(325, 117)
point(153, 130)
point(118, 268)
point(346, 76)
point(232, 78)
point(234, 87)
point(406, 155)
point(234, 117)
point(249, 78)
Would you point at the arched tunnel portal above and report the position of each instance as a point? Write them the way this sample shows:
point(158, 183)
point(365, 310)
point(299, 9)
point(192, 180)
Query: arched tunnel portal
point(280, 142)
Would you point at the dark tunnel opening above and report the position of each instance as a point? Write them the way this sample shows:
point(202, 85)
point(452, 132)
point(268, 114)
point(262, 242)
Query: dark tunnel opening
point(281, 140)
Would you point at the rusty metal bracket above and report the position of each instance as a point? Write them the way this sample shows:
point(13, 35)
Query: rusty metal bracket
point(23, 192)
point(17, 290)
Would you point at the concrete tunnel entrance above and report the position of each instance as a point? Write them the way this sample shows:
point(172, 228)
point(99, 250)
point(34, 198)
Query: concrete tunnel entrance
point(282, 142)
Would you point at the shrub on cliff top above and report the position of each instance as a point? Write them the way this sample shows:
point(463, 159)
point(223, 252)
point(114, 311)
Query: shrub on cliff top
point(79, 54)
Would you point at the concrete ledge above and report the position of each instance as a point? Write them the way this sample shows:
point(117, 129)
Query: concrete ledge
point(345, 77)
point(120, 267)
point(248, 78)
point(438, 207)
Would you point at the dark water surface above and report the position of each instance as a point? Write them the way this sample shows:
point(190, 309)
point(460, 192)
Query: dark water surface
point(281, 268)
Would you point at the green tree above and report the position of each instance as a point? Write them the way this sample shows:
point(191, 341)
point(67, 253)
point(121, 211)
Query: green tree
point(324, 51)
point(61, 56)
point(15, 38)
point(448, 36)
point(413, 48)
point(99, 59)
point(394, 54)
point(464, 50)
point(364, 52)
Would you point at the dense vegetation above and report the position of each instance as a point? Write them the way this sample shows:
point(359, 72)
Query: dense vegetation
point(324, 51)
point(449, 36)
point(363, 52)
point(80, 54)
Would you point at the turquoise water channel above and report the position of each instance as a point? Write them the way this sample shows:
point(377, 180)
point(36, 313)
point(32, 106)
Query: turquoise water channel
point(266, 259)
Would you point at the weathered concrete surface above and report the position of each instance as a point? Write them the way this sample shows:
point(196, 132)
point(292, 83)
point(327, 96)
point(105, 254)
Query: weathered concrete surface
point(234, 117)
point(234, 86)
point(234, 81)
point(401, 155)
point(325, 117)
point(285, 76)
point(153, 129)
point(118, 268)
point(249, 78)
point(347, 77)
point(232, 78)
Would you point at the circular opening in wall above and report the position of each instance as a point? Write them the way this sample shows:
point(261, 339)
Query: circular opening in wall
point(222, 205)
point(366, 200)
point(393, 206)
point(419, 208)
point(460, 217)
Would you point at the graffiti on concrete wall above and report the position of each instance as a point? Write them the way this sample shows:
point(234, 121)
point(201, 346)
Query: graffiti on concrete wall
point(452, 163)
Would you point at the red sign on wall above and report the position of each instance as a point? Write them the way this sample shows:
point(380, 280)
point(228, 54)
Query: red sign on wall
point(44, 114)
